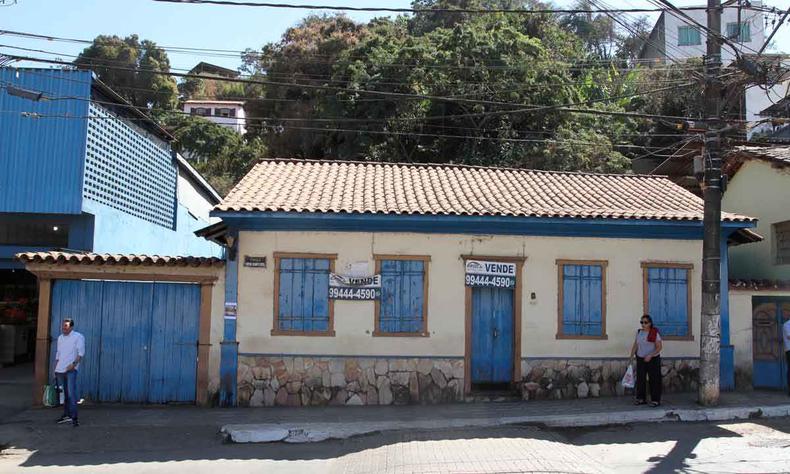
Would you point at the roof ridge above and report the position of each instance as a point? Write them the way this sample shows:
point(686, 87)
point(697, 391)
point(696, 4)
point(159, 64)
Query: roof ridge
point(456, 165)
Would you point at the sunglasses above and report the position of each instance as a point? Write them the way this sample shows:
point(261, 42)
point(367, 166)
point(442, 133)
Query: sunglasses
point(645, 322)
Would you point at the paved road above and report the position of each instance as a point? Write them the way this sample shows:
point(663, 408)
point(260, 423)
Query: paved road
point(744, 446)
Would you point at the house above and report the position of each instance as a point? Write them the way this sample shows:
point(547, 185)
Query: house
point(379, 283)
point(758, 184)
point(675, 38)
point(82, 170)
point(212, 70)
point(228, 113)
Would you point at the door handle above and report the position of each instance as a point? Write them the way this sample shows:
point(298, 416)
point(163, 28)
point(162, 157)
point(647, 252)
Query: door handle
point(496, 333)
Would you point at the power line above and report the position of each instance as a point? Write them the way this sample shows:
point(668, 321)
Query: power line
point(520, 11)
point(383, 93)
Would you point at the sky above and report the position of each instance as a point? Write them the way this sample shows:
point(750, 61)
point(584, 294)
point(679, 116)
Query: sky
point(198, 26)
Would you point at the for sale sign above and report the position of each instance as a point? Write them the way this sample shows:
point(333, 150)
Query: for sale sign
point(343, 287)
point(483, 273)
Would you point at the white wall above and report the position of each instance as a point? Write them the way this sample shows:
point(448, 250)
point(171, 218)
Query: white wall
point(729, 15)
point(759, 99)
point(236, 123)
point(760, 191)
point(354, 321)
point(193, 199)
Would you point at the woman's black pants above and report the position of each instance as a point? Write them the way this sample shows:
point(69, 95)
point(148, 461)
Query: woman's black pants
point(648, 373)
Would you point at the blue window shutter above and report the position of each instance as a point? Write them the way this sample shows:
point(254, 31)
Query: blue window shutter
point(582, 305)
point(401, 304)
point(303, 295)
point(668, 299)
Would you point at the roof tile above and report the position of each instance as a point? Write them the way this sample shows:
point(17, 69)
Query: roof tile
point(394, 188)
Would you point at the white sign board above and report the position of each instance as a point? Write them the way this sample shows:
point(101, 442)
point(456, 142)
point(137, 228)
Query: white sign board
point(345, 287)
point(490, 274)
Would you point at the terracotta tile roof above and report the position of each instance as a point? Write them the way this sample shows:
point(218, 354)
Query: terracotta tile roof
point(777, 154)
point(116, 259)
point(429, 189)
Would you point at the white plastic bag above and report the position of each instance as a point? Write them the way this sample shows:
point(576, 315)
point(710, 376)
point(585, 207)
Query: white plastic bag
point(628, 378)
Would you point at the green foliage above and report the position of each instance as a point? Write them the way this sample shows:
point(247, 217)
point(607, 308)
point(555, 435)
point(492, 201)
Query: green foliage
point(220, 154)
point(126, 65)
point(524, 60)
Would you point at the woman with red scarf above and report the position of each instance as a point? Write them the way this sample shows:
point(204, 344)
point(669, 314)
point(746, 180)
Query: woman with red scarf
point(647, 347)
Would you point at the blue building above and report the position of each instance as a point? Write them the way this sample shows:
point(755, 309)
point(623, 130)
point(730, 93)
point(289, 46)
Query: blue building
point(81, 169)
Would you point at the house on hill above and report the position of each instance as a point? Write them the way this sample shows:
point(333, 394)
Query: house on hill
point(379, 283)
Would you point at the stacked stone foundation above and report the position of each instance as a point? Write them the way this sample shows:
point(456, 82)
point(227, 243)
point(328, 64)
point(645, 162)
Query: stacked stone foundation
point(319, 381)
point(556, 379)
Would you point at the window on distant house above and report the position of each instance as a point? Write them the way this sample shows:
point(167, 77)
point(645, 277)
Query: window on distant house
point(224, 112)
point(740, 35)
point(689, 36)
point(201, 111)
point(782, 242)
point(582, 299)
point(667, 298)
point(301, 287)
point(402, 309)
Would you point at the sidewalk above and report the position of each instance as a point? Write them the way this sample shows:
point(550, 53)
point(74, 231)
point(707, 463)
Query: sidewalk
point(314, 424)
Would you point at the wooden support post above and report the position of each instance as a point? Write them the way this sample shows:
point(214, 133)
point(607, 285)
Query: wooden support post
point(204, 344)
point(42, 340)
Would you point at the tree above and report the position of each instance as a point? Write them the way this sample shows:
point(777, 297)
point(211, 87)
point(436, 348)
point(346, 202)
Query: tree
point(220, 154)
point(128, 66)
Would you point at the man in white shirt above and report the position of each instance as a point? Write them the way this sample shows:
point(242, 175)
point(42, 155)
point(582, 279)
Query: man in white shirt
point(786, 340)
point(70, 351)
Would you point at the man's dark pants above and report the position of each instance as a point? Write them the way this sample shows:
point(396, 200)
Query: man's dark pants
point(68, 383)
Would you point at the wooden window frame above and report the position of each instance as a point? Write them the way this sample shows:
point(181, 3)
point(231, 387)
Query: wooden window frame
point(776, 228)
point(560, 300)
point(646, 294)
point(426, 259)
point(278, 256)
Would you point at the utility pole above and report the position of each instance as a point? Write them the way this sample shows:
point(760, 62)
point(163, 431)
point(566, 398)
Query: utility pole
point(710, 324)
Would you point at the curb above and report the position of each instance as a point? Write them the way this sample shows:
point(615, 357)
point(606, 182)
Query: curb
point(317, 432)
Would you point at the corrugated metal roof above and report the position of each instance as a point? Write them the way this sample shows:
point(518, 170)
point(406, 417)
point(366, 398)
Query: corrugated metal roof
point(116, 259)
point(391, 188)
point(41, 159)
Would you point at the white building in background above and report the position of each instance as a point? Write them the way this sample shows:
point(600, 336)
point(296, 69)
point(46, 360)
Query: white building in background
point(675, 38)
point(228, 113)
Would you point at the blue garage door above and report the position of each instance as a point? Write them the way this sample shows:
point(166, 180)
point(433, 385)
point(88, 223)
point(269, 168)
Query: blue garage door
point(140, 338)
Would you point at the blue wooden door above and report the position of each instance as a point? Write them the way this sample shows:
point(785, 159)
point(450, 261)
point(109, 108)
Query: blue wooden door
point(768, 357)
point(125, 341)
point(82, 302)
point(492, 335)
point(140, 338)
point(174, 337)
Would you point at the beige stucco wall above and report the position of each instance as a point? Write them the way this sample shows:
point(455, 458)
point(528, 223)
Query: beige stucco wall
point(354, 320)
point(741, 328)
point(760, 191)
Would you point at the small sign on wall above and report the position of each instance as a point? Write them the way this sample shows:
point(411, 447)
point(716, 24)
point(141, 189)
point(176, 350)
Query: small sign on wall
point(345, 287)
point(251, 261)
point(230, 310)
point(482, 273)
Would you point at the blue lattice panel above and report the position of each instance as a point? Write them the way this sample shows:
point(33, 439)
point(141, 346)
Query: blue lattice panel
point(128, 170)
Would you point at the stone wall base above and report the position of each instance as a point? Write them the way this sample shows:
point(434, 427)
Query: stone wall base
point(317, 381)
point(557, 379)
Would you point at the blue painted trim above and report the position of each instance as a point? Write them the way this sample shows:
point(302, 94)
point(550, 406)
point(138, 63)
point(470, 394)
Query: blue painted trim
point(502, 225)
point(229, 347)
point(727, 351)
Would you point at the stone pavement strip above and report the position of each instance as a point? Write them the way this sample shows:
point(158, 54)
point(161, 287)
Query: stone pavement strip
point(569, 413)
